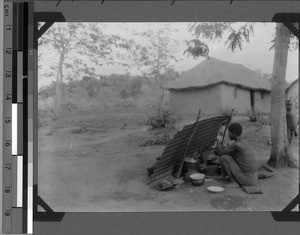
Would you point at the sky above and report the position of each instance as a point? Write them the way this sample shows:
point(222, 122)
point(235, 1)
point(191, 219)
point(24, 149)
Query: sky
point(254, 55)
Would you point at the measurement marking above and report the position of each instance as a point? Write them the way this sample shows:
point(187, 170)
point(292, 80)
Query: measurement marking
point(8, 211)
point(19, 181)
point(14, 129)
point(7, 168)
point(30, 199)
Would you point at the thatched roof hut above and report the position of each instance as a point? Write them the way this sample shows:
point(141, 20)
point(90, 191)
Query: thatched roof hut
point(213, 71)
point(215, 84)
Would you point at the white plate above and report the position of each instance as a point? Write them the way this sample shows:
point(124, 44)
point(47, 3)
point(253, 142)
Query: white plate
point(215, 189)
point(197, 176)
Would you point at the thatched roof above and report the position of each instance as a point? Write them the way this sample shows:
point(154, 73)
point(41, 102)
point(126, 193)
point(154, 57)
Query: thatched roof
point(213, 71)
point(288, 86)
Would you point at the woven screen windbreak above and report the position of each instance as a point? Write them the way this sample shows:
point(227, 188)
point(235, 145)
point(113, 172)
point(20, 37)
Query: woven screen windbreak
point(204, 136)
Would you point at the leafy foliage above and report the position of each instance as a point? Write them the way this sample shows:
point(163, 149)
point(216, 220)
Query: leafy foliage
point(207, 32)
point(80, 49)
point(211, 31)
point(293, 45)
point(256, 116)
point(227, 111)
point(154, 57)
point(69, 107)
point(161, 140)
point(84, 47)
point(164, 119)
point(109, 92)
point(47, 91)
point(196, 48)
point(91, 85)
point(132, 88)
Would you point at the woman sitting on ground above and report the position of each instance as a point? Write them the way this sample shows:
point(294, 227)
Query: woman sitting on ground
point(237, 159)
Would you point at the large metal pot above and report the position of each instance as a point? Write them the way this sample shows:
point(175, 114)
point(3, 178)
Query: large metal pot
point(190, 164)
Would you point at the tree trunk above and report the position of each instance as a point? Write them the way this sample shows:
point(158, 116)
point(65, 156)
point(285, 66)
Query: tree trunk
point(280, 154)
point(159, 104)
point(59, 77)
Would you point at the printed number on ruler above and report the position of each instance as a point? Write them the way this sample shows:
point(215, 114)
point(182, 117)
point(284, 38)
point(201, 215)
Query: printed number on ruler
point(8, 120)
point(6, 10)
point(8, 97)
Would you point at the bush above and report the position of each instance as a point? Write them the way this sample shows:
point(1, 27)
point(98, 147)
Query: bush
point(256, 116)
point(164, 119)
point(91, 85)
point(131, 89)
point(69, 107)
point(227, 111)
point(162, 140)
point(125, 104)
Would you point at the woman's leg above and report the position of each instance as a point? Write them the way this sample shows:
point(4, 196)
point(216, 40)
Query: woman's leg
point(226, 168)
point(236, 174)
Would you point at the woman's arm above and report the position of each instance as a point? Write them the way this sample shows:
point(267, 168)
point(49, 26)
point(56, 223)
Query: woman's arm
point(225, 149)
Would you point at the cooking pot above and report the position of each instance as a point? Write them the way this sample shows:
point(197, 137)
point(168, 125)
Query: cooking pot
point(190, 164)
point(197, 179)
point(198, 182)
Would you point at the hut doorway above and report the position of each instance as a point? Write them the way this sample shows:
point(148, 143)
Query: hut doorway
point(252, 100)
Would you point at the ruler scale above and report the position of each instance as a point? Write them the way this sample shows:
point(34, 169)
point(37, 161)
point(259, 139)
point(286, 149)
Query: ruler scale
point(15, 117)
point(28, 105)
point(7, 127)
point(31, 73)
point(17, 180)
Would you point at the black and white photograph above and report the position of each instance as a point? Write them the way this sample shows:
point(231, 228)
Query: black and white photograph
point(167, 117)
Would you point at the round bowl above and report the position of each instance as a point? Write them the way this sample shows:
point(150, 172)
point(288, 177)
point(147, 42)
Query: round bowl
point(198, 182)
point(215, 189)
point(197, 176)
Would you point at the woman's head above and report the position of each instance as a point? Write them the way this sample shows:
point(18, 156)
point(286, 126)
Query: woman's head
point(235, 129)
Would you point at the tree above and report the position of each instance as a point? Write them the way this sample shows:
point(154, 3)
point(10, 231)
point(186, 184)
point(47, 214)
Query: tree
point(81, 48)
point(155, 58)
point(62, 38)
point(280, 153)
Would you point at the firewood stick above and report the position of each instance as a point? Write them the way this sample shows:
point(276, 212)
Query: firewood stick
point(187, 145)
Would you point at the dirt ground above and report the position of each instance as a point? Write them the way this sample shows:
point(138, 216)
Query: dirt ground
point(93, 162)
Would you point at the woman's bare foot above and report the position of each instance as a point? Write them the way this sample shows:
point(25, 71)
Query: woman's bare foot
point(226, 179)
